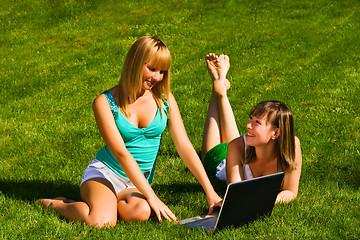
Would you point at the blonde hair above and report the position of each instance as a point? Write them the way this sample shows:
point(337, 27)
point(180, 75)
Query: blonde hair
point(144, 50)
point(279, 115)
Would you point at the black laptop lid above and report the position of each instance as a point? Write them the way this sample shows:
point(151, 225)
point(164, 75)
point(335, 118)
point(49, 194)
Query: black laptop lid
point(253, 198)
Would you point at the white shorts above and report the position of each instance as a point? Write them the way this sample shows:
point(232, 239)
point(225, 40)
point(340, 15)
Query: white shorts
point(97, 169)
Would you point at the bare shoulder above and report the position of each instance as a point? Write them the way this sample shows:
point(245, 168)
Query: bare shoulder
point(99, 101)
point(171, 98)
point(237, 148)
point(238, 142)
point(172, 102)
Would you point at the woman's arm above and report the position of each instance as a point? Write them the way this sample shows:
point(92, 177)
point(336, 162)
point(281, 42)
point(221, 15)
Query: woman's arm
point(110, 134)
point(188, 154)
point(235, 160)
point(292, 179)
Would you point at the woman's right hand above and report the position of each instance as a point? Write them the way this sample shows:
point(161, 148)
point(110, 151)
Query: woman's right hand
point(161, 209)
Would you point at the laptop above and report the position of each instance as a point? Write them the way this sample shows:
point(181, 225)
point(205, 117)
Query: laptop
point(244, 201)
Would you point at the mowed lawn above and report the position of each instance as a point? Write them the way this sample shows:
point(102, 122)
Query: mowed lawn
point(57, 56)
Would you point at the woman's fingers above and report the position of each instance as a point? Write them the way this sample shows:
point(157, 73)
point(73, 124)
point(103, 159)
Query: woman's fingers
point(161, 209)
point(211, 209)
point(168, 215)
point(214, 201)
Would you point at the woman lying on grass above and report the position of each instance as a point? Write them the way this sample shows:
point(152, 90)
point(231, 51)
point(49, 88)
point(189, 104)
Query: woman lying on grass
point(131, 118)
point(269, 146)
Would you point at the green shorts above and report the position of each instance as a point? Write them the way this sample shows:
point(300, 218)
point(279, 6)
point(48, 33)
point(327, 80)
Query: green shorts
point(214, 157)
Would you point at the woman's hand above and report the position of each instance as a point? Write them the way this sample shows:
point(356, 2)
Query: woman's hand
point(161, 209)
point(214, 201)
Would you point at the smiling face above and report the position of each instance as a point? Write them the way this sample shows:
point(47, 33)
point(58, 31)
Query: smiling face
point(260, 131)
point(271, 125)
point(152, 75)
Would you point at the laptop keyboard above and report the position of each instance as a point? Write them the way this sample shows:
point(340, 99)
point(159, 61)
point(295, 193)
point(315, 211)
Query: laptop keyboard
point(208, 223)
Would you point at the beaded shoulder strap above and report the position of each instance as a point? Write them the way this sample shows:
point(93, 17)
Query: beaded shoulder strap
point(111, 100)
point(166, 105)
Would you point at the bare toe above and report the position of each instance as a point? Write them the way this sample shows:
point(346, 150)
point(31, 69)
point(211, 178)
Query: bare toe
point(223, 65)
point(46, 202)
point(61, 198)
point(64, 199)
point(211, 59)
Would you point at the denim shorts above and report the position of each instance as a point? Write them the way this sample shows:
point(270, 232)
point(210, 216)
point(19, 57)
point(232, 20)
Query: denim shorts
point(97, 169)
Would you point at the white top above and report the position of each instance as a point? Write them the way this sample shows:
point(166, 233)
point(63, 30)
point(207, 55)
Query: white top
point(221, 168)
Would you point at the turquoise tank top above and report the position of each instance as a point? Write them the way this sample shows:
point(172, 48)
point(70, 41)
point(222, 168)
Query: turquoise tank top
point(142, 143)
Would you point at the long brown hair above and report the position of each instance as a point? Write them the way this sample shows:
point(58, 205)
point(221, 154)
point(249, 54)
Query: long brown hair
point(142, 51)
point(280, 116)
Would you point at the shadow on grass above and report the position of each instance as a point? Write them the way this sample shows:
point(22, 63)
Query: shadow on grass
point(180, 190)
point(30, 190)
point(34, 189)
point(184, 187)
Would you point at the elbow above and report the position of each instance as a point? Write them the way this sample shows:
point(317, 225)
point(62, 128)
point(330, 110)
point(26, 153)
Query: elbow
point(184, 146)
point(285, 196)
point(119, 155)
point(119, 152)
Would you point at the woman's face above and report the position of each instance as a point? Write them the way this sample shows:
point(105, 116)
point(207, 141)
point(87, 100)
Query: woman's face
point(151, 75)
point(259, 131)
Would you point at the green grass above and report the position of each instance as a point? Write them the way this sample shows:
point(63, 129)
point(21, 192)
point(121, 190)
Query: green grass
point(57, 56)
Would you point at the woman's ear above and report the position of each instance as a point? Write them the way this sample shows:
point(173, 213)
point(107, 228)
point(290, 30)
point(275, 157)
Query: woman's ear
point(276, 133)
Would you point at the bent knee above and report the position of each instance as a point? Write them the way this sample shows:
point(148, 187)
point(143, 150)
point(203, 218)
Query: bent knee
point(101, 219)
point(143, 212)
point(140, 211)
point(101, 222)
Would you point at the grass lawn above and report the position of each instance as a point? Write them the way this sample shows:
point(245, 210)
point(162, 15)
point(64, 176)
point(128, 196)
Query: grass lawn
point(56, 56)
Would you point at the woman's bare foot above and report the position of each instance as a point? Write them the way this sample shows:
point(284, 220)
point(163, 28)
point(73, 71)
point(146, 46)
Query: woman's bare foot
point(218, 67)
point(211, 59)
point(47, 202)
point(222, 65)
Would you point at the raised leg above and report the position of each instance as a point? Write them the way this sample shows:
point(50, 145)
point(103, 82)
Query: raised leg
point(220, 125)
